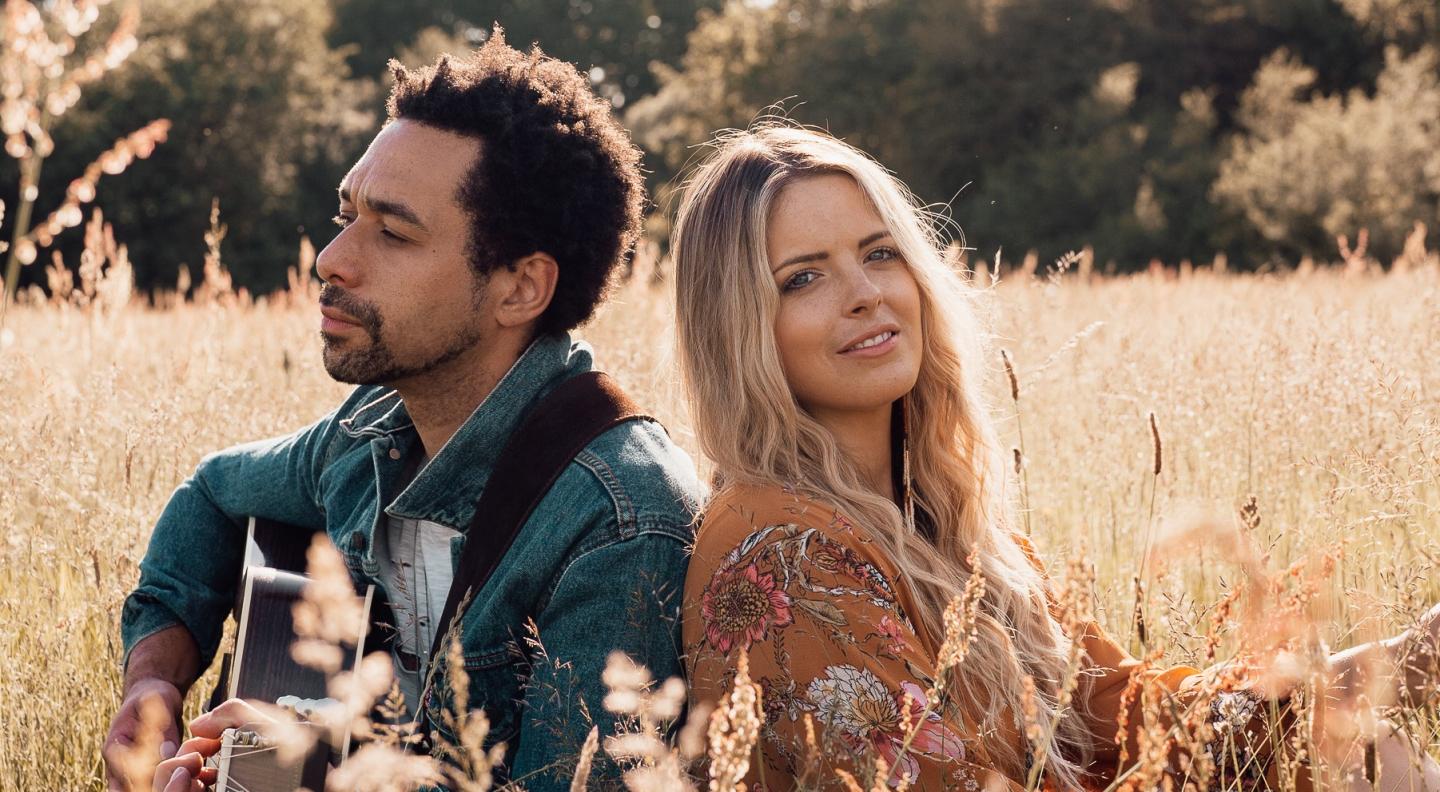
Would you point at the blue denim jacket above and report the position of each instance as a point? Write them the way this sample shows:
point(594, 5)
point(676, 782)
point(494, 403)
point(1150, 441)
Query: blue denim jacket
point(599, 566)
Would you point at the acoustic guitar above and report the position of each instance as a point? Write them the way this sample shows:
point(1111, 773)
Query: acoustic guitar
point(551, 435)
point(261, 669)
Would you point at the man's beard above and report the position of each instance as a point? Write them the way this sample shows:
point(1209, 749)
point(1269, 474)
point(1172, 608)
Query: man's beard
point(375, 364)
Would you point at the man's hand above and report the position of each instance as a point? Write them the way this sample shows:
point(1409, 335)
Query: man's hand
point(161, 667)
point(186, 770)
point(145, 731)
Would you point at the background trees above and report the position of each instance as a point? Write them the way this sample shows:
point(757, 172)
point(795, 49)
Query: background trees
point(1165, 129)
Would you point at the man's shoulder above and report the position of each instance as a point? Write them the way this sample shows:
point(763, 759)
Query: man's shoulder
point(645, 475)
point(626, 501)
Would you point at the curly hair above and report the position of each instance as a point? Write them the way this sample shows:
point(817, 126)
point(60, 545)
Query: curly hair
point(556, 172)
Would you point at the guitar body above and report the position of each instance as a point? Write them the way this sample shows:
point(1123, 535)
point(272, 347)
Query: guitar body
point(261, 667)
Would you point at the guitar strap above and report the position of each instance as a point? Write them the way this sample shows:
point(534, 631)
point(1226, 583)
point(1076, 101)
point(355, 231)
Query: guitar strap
point(550, 436)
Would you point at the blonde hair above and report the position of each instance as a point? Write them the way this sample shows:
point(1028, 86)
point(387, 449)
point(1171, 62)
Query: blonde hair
point(754, 431)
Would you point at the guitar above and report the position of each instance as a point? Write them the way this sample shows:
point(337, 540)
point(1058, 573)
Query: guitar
point(552, 434)
point(261, 667)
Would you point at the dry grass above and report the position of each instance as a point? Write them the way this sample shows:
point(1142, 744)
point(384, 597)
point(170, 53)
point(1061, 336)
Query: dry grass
point(1316, 393)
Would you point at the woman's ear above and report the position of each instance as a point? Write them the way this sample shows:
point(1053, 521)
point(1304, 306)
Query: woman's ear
point(525, 289)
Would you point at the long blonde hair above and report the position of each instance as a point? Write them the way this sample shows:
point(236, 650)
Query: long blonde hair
point(754, 431)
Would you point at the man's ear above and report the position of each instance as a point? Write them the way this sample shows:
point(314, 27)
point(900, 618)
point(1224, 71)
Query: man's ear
point(526, 288)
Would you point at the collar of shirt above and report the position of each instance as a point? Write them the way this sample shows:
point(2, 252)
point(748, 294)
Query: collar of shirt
point(447, 488)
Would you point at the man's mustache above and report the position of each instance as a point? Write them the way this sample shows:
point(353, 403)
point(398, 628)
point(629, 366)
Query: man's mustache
point(332, 296)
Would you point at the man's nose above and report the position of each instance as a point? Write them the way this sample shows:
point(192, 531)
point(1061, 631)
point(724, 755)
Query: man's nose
point(334, 264)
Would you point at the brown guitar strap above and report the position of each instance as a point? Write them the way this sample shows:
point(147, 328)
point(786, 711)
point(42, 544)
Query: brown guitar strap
point(551, 435)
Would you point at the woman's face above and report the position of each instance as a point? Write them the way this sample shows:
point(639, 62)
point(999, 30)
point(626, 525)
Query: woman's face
point(848, 327)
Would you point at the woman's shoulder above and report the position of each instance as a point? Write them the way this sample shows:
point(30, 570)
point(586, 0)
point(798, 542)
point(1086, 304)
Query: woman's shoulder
point(742, 502)
point(743, 522)
point(772, 550)
point(739, 511)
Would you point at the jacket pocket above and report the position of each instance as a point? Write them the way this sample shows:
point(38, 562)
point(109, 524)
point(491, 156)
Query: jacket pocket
point(495, 682)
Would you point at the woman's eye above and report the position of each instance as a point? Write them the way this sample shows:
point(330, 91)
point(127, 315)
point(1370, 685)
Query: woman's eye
point(799, 279)
point(881, 254)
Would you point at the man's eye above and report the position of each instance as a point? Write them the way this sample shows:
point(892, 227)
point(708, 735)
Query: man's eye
point(341, 220)
point(799, 279)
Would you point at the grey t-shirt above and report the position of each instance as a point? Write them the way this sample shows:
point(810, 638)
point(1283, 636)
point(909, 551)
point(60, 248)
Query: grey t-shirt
point(416, 571)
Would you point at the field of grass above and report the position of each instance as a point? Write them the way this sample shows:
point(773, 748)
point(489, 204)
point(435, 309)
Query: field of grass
point(1318, 394)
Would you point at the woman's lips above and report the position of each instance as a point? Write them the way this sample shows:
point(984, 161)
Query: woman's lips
point(876, 350)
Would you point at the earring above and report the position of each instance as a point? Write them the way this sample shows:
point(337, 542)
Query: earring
point(905, 464)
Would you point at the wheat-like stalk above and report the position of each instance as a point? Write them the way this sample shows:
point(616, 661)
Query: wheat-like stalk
point(39, 89)
point(1020, 432)
point(734, 731)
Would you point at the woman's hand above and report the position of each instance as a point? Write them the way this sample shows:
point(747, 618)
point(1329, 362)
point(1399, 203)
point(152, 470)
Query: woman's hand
point(1404, 669)
point(1420, 655)
point(186, 771)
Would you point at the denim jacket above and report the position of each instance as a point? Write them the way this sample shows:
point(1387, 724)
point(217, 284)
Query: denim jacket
point(599, 566)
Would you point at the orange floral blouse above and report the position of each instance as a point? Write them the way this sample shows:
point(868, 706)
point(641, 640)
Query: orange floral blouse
point(824, 619)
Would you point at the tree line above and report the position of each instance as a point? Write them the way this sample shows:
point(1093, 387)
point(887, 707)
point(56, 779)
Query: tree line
point(1149, 129)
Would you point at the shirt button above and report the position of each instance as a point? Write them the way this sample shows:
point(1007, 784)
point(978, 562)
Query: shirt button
point(394, 453)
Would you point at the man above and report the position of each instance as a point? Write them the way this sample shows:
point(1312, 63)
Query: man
point(482, 225)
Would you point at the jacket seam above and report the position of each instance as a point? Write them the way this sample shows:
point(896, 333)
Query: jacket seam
point(620, 498)
point(648, 528)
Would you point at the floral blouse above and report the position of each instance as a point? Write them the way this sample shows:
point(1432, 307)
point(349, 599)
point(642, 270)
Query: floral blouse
point(823, 619)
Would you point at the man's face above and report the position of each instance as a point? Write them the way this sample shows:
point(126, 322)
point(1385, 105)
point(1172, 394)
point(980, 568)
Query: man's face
point(401, 297)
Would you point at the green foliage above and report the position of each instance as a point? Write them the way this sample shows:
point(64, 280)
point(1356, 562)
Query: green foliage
point(1147, 128)
point(1408, 23)
point(619, 38)
point(1040, 123)
point(1308, 169)
point(264, 118)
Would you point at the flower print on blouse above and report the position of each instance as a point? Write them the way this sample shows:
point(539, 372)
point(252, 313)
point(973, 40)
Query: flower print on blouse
point(868, 715)
point(795, 586)
point(824, 619)
point(741, 605)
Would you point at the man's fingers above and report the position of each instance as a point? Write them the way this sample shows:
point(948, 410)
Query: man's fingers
point(205, 746)
point(177, 773)
point(234, 712)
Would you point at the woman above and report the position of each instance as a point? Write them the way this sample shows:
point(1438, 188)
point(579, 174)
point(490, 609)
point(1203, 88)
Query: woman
point(834, 370)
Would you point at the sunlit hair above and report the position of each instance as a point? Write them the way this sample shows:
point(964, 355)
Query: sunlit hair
point(751, 426)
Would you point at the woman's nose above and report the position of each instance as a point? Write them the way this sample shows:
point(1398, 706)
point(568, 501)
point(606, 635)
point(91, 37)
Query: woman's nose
point(865, 294)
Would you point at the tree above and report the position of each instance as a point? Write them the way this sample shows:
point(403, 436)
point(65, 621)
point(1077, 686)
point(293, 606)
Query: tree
point(1308, 168)
point(264, 117)
point(617, 39)
point(1043, 124)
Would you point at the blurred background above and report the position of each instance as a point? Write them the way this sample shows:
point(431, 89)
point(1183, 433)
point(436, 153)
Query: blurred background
point(1152, 130)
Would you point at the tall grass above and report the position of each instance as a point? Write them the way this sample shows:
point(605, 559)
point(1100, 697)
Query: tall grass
point(1300, 410)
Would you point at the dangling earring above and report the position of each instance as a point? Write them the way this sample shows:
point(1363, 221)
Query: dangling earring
point(905, 464)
